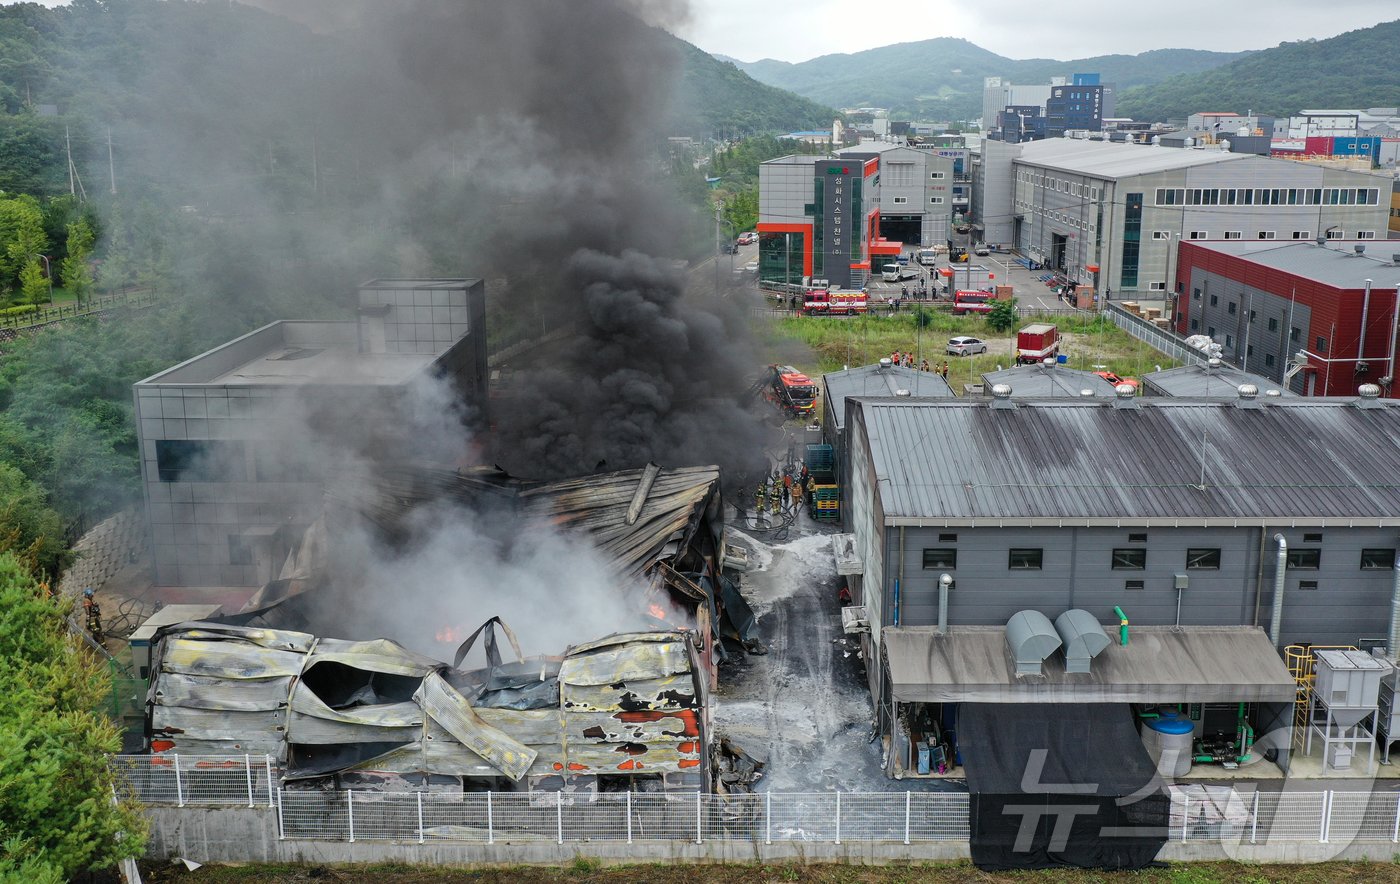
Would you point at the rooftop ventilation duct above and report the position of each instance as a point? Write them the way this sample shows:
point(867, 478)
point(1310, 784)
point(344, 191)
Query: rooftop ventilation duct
point(1395, 259)
point(1248, 396)
point(1368, 396)
point(1001, 396)
point(1359, 249)
point(1273, 394)
point(886, 362)
point(903, 393)
point(1125, 396)
point(1083, 638)
point(1086, 394)
point(1214, 362)
point(1320, 240)
point(1031, 637)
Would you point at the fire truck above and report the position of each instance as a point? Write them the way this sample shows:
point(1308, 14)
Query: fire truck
point(834, 302)
point(790, 390)
point(972, 302)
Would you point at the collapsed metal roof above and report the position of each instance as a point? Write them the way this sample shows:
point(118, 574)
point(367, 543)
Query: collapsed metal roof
point(626, 704)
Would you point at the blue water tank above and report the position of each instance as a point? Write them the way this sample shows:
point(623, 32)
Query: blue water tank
point(1170, 723)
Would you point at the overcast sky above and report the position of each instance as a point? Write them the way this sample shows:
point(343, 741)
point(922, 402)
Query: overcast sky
point(796, 31)
point(754, 29)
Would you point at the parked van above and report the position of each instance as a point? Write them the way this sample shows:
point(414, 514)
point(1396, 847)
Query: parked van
point(927, 257)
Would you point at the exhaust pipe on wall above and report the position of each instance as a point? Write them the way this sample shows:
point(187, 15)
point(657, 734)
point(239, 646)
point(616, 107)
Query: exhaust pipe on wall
point(1280, 572)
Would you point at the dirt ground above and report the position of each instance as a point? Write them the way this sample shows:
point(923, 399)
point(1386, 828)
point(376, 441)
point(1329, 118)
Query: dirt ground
point(589, 872)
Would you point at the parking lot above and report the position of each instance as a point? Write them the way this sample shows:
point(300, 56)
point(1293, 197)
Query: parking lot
point(1030, 291)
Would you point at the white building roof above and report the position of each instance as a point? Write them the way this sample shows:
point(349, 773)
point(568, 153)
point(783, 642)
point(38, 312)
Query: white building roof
point(1112, 160)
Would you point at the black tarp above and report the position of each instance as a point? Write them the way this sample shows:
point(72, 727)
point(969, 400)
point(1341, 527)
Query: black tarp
point(1060, 784)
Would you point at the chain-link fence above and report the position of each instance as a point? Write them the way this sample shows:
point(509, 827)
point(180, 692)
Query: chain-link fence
point(1165, 340)
point(1217, 814)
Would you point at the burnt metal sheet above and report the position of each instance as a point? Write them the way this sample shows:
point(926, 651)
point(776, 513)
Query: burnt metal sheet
point(228, 660)
point(404, 714)
point(451, 710)
point(624, 638)
point(212, 692)
point(1291, 461)
point(273, 639)
point(376, 655)
point(533, 726)
point(612, 758)
point(218, 724)
point(312, 731)
point(673, 726)
point(254, 744)
point(631, 662)
point(670, 692)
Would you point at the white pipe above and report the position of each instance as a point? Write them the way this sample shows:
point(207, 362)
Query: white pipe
point(1394, 332)
point(944, 581)
point(1395, 614)
point(1280, 572)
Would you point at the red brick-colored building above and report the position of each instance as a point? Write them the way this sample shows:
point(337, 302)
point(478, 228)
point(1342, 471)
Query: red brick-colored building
point(1293, 311)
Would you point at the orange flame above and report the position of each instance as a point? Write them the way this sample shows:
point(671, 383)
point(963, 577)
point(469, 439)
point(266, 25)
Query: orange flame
point(449, 635)
point(656, 611)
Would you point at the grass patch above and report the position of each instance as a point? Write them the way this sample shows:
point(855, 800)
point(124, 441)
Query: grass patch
point(862, 340)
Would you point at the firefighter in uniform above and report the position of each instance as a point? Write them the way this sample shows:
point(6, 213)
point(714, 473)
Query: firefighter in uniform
point(775, 492)
point(761, 497)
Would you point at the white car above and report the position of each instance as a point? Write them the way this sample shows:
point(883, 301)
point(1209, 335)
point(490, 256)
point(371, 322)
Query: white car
point(747, 238)
point(963, 345)
point(981, 249)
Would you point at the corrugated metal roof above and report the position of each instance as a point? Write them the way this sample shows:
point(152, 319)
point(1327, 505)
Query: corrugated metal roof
point(1206, 382)
point(1335, 264)
point(877, 380)
point(1112, 160)
point(1160, 664)
point(1039, 381)
point(1046, 461)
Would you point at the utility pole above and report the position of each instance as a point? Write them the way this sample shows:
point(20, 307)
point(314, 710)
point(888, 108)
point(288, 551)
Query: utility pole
point(111, 166)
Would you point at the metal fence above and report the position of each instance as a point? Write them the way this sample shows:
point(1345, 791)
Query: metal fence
point(1221, 815)
point(200, 779)
point(1169, 342)
point(45, 315)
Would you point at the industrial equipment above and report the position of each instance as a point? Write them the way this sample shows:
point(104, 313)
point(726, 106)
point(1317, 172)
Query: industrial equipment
point(824, 490)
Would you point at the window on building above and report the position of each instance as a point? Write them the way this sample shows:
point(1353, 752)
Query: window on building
point(1195, 325)
point(1129, 559)
point(1312, 538)
point(1365, 234)
point(1214, 300)
point(1196, 294)
point(1203, 559)
point(1307, 585)
point(1268, 360)
point(941, 559)
point(1156, 286)
point(1302, 234)
point(1232, 234)
point(1229, 341)
point(1266, 234)
point(1273, 323)
point(947, 538)
point(1161, 234)
point(1249, 351)
point(1024, 559)
point(1377, 559)
point(1230, 308)
point(1304, 559)
point(935, 200)
point(1321, 345)
point(1295, 333)
point(899, 174)
point(1137, 538)
point(239, 552)
point(1132, 585)
point(1335, 233)
point(901, 200)
point(936, 176)
point(1199, 234)
point(179, 460)
point(1210, 330)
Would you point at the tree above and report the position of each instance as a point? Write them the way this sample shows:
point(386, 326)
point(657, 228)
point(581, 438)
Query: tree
point(57, 813)
point(22, 238)
point(29, 529)
point(33, 285)
point(77, 274)
point(1003, 316)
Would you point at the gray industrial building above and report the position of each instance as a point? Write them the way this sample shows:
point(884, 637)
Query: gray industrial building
point(1214, 380)
point(1047, 381)
point(1186, 515)
point(234, 442)
point(1074, 205)
point(916, 191)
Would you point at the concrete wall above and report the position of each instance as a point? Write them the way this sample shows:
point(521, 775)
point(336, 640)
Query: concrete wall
point(1349, 604)
point(249, 835)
